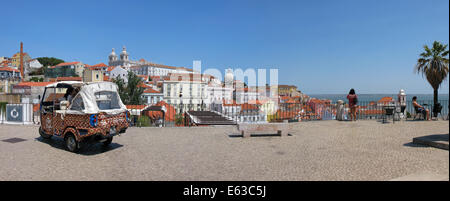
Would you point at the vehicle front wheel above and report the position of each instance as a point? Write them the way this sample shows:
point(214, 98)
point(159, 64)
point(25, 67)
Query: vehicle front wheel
point(43, 134)
point(71, 143)
point(108, 141)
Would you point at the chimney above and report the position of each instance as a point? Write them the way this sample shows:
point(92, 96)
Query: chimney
point(21, 60)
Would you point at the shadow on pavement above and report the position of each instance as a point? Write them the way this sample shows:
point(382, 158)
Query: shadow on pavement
point(86, 148)
point(233, 135)
point(410, 144)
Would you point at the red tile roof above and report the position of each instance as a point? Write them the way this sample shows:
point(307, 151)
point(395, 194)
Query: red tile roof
point(169, 115)
point(68, 79)
point(8, 69)
point(67, 63)
point(151, 91)
point(110, 68)
point(98, 65)
point(143, 85)
point(183, 77)
point(247, 106)
point(34, 84)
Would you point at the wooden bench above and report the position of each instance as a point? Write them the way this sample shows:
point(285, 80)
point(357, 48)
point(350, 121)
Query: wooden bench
point(246, 129)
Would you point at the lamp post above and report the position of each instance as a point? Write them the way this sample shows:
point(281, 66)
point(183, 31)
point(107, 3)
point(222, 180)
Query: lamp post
point(181, 102)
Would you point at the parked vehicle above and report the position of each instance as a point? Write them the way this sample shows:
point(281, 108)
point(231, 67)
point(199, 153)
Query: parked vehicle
point(82, 112)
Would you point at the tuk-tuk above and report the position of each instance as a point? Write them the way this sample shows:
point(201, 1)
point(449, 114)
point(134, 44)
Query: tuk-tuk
point(82, 112)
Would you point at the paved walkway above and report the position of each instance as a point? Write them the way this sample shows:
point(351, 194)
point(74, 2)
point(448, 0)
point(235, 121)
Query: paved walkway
point(321, 150)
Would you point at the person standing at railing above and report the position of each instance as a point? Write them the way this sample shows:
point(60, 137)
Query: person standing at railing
point(352, 103)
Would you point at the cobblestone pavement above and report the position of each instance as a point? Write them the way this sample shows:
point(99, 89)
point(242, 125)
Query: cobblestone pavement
point(321, 150)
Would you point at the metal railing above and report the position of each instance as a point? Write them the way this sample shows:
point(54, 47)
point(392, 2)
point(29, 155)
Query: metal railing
point(252, 113)
point(293, 112)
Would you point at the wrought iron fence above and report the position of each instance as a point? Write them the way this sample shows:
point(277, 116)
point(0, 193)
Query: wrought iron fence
point(293, 112)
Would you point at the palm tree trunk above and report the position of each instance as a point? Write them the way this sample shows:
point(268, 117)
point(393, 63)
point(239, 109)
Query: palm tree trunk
point(435, 102)
point(435, 96)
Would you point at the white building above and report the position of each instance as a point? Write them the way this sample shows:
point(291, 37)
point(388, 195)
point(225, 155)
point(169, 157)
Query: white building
point(119, 72)
point(152, 69)
point(242, 112)
point(152, 96)
point(186, 91)
point(32, 65)
point(245, 95)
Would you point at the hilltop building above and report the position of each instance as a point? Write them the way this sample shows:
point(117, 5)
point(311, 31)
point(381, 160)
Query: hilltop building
point(123, 61)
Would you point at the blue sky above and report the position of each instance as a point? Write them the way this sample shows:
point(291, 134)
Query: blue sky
point(320, 46)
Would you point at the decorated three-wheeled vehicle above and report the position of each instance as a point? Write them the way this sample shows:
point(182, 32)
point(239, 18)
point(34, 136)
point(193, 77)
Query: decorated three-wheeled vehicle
point(82, 112)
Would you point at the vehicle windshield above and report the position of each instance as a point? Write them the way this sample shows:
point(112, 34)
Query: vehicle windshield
point(107, 100)
point(54, 94)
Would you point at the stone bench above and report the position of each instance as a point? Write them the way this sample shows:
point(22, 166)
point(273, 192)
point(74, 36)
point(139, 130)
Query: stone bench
point(246, 129)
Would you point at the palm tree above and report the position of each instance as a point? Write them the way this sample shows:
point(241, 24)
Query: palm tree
point(433, 64)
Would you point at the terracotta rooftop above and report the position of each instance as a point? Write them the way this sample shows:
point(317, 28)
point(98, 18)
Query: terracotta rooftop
point(169, 114)
point(8, 69)
point(183, 77)
point(68, 79)
point(143, 85)
point(67, 63)
point(151, 91)
point(34, 84)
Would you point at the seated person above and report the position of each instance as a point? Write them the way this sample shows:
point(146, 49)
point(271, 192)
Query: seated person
point(420, 108)
point(69, 95)
point(72, 95)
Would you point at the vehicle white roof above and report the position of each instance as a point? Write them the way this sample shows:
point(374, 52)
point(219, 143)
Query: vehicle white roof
point(65, 82)
point(87, 92)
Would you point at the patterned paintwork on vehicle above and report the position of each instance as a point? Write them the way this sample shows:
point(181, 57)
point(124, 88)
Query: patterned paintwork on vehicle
point(59, 124)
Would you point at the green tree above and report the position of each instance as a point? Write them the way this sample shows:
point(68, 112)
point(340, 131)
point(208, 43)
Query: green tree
point(130, 93)
point(433, 64)
point(49, 61)
point(46, 62)
point(37, 79)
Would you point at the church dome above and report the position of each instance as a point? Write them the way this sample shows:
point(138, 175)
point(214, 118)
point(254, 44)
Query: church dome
point(112, 56)
point(124, 54)
point(124, 51)
point(112, 53)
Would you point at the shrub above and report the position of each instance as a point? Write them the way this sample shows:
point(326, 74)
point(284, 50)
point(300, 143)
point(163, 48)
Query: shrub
point(143, 121)
point(178, 119)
